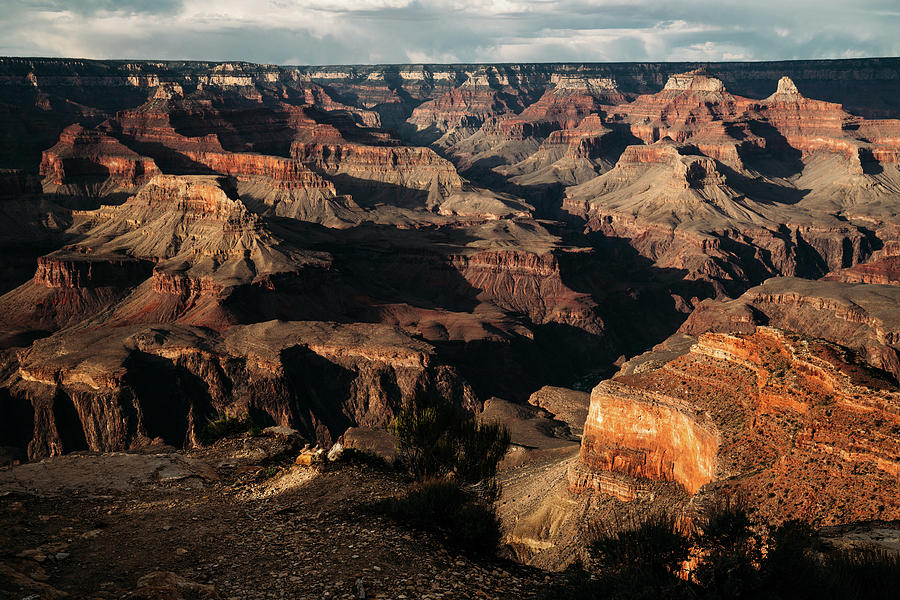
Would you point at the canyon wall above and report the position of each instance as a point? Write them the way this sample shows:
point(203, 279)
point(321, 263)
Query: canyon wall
point(800, 427)
point(134, 385)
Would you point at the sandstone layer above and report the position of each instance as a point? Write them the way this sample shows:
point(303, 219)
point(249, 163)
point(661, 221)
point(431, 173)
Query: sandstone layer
point(799, 426)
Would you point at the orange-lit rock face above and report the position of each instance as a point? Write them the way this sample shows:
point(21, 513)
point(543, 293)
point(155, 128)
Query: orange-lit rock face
point(648, 436)
point(884, 270)
point(417, 168)
point(68, 272)
point(696, 109)
point(151, 126)
point(862, 318)
point(282, 173)
point(466, 106)
point(562, 107)
point(198, 198)
point(531, 284)
point(82, 152)
point(691, 105)
point(798, 426)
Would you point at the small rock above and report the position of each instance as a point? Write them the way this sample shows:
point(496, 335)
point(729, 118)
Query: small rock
point(336, 452)
point(34, 554)
point(62, 555)
point(181, 551)
point(309, 457)
point(279, 431)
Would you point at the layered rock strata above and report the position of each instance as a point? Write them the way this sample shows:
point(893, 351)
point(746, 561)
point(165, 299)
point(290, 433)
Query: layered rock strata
point(798, 426)
point(123, 387)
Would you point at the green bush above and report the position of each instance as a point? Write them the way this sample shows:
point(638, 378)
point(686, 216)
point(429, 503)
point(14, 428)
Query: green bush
point(436, 439)
point(222, 426)
point(454, 459)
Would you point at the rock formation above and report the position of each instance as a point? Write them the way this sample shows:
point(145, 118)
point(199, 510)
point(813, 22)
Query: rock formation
point(120, 387)
point(862, 318)
point(83, 153)
point(649, 436)
point(799, 426)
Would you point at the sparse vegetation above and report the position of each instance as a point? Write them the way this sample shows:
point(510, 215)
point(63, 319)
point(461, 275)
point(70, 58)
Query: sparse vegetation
point(645, 560)
point(222, 426)
point(438, 440)
point(730, 553)
point(268, 472)
point(454, 461)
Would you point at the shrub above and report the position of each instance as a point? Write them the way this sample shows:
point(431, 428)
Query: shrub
point(454, 458)
point(730, 553)
point(436, 439)
point(268, 472)
point(655, 543)
point(861, 573)
point(426, 441)
point(575, 583)
point(792, 562)
point(637, 560)
point(640, 561)
point(798, 565)
point(222, 426)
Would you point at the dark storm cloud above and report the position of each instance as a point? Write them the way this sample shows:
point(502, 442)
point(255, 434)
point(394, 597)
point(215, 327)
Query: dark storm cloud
point(368, 31)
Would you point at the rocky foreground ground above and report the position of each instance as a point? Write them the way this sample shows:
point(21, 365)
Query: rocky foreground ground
point(236, 520)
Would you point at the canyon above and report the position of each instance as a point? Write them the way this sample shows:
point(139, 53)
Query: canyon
point(672, 282)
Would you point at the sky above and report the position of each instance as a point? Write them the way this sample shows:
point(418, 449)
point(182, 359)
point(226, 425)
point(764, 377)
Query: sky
point(323, 32)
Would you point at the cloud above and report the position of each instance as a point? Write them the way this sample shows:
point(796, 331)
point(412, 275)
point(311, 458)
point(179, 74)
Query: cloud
point(379, 31)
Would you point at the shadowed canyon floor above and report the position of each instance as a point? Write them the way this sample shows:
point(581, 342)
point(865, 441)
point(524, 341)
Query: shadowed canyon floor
point(672, 283)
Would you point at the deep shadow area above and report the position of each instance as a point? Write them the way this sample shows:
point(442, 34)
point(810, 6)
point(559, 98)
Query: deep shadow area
point(514, 368)
point(319, 389)
point(635, 299)
point(16, 420)
point(760, 190)
point(779, 159)
point(68, 423)
point(168, 396)
point(369, 193)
